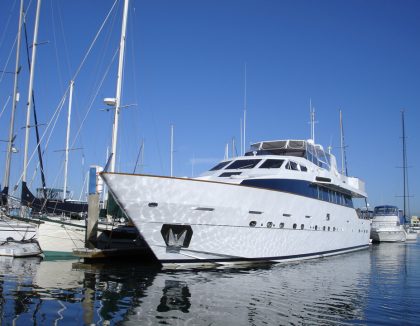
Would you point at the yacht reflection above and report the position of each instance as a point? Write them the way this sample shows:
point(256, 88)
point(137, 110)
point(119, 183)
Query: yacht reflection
point(175, 297)
point(323, 291)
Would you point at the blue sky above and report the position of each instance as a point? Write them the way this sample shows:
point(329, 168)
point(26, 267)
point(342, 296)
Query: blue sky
point(185, 65)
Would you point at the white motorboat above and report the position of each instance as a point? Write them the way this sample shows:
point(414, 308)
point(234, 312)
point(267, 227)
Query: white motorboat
point(283, 200)
point(386, 225)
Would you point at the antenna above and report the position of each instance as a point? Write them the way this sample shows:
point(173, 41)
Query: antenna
point(343, 147)
point(245, 104)
point(172, 149)
point(312, 120)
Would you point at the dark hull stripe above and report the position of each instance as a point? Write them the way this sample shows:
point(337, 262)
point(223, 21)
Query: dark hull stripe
point(260, 259)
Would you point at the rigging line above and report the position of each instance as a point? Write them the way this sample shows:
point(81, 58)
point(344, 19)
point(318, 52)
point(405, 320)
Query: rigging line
point(35, 114)
point(60, 77)
point(55, 118)
point(8, 59)
point(93, 42)
point(66, 51)
point(94, 97)
point(7, 24)
point(56, 112)
point(4, 107)
point(14, 43)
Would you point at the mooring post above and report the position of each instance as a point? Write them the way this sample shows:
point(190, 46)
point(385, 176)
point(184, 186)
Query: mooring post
point(93, 209)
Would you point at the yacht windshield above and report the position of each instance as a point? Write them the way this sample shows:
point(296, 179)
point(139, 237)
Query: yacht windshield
point(386, 210)
point(219, 166)
point(243, 164)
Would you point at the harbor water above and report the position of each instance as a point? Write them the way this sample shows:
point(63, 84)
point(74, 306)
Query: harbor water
point(378, 286)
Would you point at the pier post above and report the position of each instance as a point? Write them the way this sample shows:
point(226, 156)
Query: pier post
point(93, 210)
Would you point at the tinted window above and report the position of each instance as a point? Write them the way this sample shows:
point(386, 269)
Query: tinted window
point(271, 164)
point(220, 166)
point(243, 164)
point(228, 174)
point(291, 165)
point(303, 168)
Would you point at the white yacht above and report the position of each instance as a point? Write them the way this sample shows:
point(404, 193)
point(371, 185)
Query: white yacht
point(386, 225)
point(283, 200)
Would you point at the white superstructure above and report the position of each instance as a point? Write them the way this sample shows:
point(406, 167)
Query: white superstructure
point(283, 200)
point(386, 225)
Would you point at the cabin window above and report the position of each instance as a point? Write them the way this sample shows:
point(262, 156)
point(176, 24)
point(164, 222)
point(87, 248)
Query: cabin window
point(281, 226)
point(269, 224)
point(228, 174)
point(243, 164)
point(323, 228)
point(316, 227)
point(294, 225)
point(302, 226)
point(252, 223)
point(303, 168)
point(292, 166)
point(271, 164)
point(220, 166)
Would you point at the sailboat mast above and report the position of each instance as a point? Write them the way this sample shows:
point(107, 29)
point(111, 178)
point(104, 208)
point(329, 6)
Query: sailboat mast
point(404, 164)
point(31, 82)
point(119, 86)
point(66, 160)
point(6, 180)
point(245, 105)
point(172, 149)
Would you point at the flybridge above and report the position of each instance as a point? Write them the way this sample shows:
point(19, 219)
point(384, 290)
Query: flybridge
point(300, 148)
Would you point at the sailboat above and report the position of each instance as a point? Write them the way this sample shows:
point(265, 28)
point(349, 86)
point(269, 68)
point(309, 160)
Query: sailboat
point(411, 235)
point(17, 238)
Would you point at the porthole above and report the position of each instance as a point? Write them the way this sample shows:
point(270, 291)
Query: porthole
point(302, 226)
point(153, 204)
point(316, 227)
point(323, 228)
point(328, 228)
point(269, 224)
point(252, 223)
point(334, 228)
point(281, 226)
point(294, 225)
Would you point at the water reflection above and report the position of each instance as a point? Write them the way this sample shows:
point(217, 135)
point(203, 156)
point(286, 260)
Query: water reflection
point(368, 286)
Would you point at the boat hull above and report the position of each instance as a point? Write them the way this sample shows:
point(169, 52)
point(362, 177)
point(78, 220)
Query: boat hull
point(189, 221)
point(16, 230)
point(388, 235)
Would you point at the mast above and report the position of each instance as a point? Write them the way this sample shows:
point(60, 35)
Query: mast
point(119, 87)
point(312, 120)
point(404, 153)
point(244, 129)
point(29, 103)
point(66, 160)
point(6, 180)
point(172, 149)
point(342, 146)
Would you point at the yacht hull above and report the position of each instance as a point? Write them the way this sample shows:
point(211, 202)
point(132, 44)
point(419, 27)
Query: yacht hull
point(189, 221)
point(391, 235)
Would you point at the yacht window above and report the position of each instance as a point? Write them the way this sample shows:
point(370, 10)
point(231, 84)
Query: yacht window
point(294, 225)
point(303, 168)
point(243, 164)
point(281, 225)
point(302, 226)
point(220, 166)
point(228, 174)
point(291, 166)
point(272, 164)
